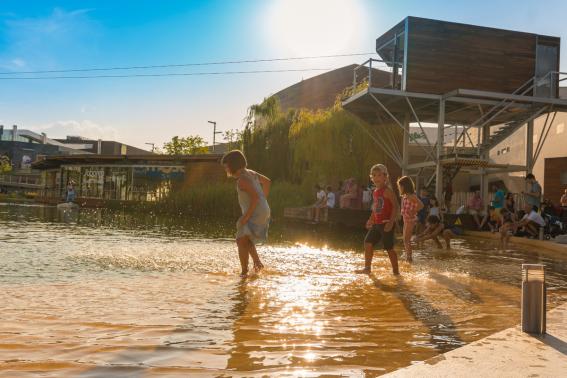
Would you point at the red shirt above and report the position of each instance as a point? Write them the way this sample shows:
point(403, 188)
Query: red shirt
point(381, 207)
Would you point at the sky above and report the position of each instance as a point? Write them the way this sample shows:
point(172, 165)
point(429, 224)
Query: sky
point(70, 35)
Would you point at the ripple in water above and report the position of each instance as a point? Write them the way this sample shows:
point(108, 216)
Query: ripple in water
point(106, 299)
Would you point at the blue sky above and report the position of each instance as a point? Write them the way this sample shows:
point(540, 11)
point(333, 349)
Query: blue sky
point(55, 35)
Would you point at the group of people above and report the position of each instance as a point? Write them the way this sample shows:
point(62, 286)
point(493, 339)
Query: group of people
point(349, 195)
point(503, 216)
point(420, 214)
point(253, 189)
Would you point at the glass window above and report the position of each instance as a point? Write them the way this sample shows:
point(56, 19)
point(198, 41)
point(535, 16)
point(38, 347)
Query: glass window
point(92, 182)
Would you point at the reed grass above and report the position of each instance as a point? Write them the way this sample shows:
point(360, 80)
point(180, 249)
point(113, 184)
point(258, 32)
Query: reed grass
point(220, 200)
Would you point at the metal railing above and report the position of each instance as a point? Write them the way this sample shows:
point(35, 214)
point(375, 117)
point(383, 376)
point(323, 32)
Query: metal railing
point(27, 181)
point(377, 64)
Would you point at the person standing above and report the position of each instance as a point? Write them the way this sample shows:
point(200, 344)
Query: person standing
point(253, 190)
point(70, 194)
point(410, 206)
point(563, 200)
point(381, 223)
point(532, 194)
point(320, 203)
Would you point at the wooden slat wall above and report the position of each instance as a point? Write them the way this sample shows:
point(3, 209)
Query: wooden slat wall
point(444, 56)
point(552, 188)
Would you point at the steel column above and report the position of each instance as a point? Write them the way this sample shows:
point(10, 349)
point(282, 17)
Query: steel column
point(440, 145)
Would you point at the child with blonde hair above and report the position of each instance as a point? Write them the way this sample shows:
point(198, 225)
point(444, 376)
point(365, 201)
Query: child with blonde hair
point(381, 223)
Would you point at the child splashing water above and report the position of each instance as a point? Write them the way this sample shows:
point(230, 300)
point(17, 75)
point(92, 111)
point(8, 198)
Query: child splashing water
point(252, 227)
point(410, 207)
point(380, 225)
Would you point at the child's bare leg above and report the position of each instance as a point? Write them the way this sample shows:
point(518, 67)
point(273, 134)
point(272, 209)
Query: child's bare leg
point(418, 230)
point(503, 234)
point(408, 231)
point(368, 255)
point(254, 254)
point(394, 261)
point(447, 235)
point(436, 240)
point(243, 250)
point(477, 220)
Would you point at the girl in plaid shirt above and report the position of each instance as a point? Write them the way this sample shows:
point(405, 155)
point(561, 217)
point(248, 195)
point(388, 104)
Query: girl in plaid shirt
point(409, 209)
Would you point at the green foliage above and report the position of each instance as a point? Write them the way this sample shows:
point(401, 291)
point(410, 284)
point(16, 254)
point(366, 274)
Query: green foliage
point(191, 145)
point(5, 165)
point(212, 200)
point(234, 138)
point(305, 147)
point(220, 200)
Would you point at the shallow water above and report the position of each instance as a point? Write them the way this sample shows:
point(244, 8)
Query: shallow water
point(104, 293)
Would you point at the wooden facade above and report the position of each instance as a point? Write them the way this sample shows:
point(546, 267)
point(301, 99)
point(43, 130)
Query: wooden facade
point(439, 57)
point(321, 91)
point(555, 178)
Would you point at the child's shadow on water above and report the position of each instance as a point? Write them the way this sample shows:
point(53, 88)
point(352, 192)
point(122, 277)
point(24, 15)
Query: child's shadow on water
point(442, 329)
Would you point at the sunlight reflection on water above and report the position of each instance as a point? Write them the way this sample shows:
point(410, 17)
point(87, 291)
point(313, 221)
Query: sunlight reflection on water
point(103, 299)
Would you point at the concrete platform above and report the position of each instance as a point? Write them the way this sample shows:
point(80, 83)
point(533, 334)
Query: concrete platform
point(547, 246)
point(509, 353)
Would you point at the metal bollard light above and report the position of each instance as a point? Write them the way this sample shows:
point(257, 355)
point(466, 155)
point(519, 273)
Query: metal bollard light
point(533, 298)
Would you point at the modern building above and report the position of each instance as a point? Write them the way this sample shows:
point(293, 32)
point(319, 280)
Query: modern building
point(321, 91)
point(100, 178)
point(549, 143)
point(101, 147)
point(485, 83)
point(19, 148)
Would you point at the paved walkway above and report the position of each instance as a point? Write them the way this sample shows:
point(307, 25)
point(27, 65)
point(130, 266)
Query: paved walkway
point(509, 353)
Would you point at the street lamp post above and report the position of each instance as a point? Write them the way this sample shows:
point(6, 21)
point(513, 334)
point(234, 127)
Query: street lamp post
point(215, 132)
point(151, 144)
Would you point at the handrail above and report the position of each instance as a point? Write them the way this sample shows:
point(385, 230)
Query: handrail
point(533, 80)
point(368, 64)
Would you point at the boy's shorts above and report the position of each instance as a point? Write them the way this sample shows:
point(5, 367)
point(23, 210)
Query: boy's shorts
point(377, 234)
point(456, 230)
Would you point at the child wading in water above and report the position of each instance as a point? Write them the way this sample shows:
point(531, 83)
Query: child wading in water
point(436, 228)
point(410, 207)
point(380, 225)
point(252, 227)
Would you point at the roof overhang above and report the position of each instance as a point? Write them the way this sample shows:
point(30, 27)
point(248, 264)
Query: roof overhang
point(51, 162)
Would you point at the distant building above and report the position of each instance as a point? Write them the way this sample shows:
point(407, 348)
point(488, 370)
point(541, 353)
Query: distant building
point(100, 178)
point(101, 147)
point(19, 148)
point(321, 91)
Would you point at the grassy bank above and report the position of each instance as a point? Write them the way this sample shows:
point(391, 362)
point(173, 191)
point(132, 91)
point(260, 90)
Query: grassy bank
point(221, 200)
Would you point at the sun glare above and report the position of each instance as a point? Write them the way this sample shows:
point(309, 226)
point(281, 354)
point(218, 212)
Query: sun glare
point(314, 27)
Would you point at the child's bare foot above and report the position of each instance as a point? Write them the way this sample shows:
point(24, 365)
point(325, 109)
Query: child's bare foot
point(244, 274)
point(258, 267)
point(362, 271)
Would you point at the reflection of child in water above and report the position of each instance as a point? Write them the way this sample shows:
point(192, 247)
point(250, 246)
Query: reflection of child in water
point(435, 228)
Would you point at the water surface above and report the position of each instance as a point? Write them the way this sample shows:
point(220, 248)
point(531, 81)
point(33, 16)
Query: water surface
point(105, 293)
